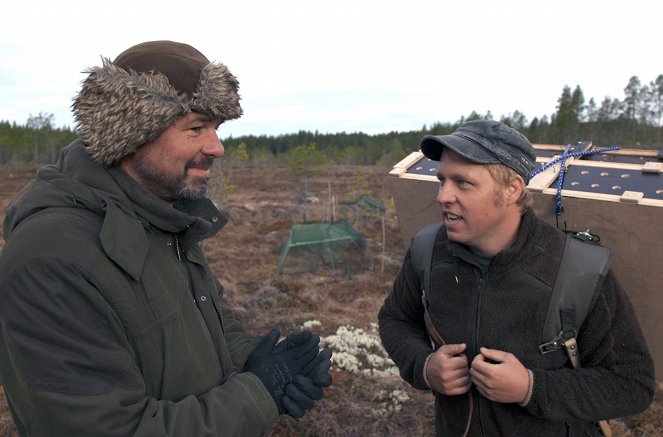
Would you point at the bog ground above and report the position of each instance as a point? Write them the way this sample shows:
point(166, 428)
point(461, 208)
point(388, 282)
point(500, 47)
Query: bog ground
point(340, 303)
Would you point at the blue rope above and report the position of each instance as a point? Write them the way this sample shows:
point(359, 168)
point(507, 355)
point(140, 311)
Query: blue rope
point(559, 209)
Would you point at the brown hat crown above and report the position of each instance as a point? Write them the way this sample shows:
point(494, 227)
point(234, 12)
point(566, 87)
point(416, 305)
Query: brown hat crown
point(180, 63)
point(128, 102)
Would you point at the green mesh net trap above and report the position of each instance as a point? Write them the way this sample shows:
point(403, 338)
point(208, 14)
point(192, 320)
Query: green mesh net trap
point(311, 244)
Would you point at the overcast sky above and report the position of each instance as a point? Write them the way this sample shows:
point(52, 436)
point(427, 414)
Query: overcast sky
point(344, 65)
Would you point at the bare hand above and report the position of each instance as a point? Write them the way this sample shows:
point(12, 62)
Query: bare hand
point(447, 370)
point(501, 379)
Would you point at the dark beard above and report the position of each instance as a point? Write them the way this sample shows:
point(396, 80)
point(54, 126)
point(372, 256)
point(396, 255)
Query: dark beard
point(173, 188)
point(195, 189)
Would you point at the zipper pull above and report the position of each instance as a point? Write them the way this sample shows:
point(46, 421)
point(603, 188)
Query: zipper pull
point(177, 248)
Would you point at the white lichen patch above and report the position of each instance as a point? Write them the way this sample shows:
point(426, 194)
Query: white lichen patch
point(389, 402)
point(359, 351)
point(310, 324)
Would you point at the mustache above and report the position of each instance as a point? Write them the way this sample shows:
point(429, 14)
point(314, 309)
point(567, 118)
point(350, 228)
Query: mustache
point(203, 163)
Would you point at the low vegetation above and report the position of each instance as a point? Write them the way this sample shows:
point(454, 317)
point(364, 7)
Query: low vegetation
point(340, 304)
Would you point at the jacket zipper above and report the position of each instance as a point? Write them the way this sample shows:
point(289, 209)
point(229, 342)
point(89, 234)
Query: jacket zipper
point(480, 282)
point(178, 250)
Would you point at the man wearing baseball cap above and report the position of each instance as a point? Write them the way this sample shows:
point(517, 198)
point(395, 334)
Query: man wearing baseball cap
point(494, 265)
point(111, 320)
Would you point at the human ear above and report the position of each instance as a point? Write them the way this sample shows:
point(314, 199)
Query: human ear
point(514, 189)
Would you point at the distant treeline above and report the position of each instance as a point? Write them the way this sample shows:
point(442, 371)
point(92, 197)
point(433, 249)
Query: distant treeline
point(634, 122)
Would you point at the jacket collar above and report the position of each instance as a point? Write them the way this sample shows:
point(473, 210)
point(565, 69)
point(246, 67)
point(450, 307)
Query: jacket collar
point(196, 219)
point(123, 233)
point(124, 241)
point(127, 210)
point(528, 228)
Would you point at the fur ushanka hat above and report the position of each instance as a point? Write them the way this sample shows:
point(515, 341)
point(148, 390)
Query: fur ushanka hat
point(128, 102)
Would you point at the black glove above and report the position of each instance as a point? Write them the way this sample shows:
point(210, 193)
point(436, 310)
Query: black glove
point(277, 367)
point(318, 369)
point(300, 395)
point(295, 339)
point(306, 387)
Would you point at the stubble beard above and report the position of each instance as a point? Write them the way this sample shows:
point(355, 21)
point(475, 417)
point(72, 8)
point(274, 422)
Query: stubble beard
point(174, 188)
point(192, 190)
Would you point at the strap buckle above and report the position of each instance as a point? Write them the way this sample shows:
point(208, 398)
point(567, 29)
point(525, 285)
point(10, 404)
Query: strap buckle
point(557, 342)
point(550, 346)
point(587, 236)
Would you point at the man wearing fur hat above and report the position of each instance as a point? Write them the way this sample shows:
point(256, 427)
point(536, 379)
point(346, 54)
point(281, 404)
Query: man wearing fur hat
point(491, 278)
point(111, 321)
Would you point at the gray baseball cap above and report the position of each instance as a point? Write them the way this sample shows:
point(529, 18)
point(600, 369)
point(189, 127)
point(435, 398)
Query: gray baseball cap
point(485, 142)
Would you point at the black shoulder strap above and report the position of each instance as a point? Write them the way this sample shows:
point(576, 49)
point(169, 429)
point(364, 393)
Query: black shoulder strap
point(421, 251)
point(582, 271)
point(581, 274)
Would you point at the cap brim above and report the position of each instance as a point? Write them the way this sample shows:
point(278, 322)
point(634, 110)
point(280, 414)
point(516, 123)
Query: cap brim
point(432, 147)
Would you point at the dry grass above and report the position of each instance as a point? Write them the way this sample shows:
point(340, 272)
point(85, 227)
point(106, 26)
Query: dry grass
point(263, 202)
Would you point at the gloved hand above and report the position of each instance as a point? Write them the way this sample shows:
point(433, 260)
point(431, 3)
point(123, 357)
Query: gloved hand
point(295, 339)
point(277, 367)
point(318, 369)
point(306, 387)
point(300, 395)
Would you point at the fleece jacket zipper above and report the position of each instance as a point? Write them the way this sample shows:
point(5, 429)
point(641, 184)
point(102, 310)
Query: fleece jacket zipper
point(480, 283)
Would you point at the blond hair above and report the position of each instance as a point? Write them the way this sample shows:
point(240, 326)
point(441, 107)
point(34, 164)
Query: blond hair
point(503, 176)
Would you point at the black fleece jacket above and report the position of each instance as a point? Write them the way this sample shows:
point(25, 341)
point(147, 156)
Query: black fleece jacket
point(505, 309)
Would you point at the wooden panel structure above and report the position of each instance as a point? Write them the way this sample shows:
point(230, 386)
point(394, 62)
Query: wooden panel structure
point(617, 195)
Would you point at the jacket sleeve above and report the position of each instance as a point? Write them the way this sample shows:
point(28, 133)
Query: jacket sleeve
point(402, 328)
point(617, 374)
point(240, 344)
point(68, 369)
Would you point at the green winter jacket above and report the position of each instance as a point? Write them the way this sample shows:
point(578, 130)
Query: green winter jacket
point(111, 320)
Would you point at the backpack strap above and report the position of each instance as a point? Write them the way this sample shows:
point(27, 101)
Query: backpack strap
point(581, 273)
point(421, 252)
